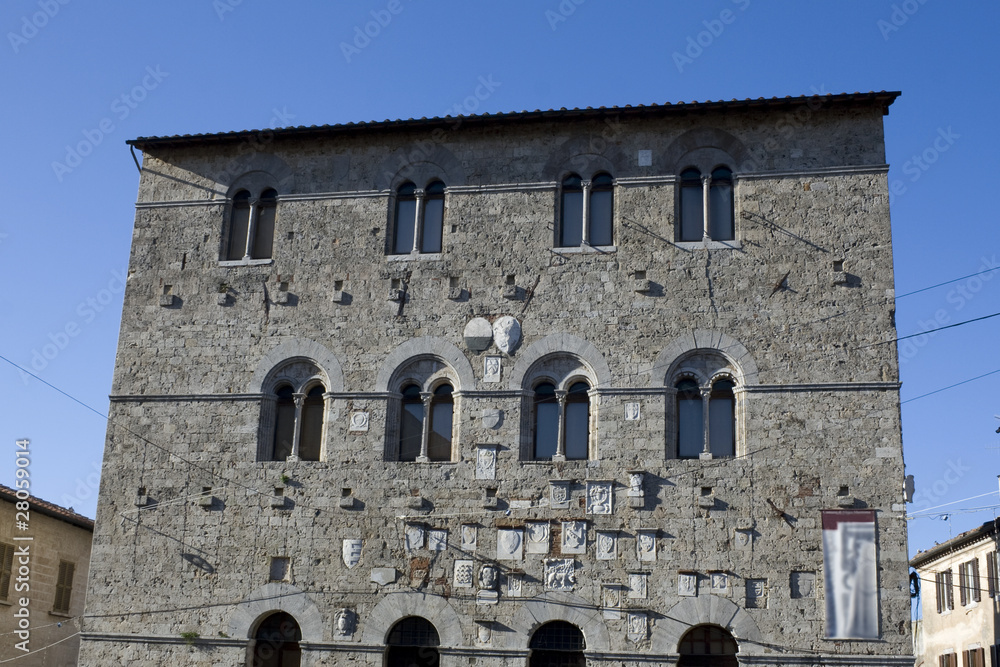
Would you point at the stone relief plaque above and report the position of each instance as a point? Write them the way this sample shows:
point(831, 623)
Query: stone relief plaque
point(491, 369)
point(478, 334)
point(515, 583)
point(687, 584)
point(632, 412)
point(414, 536)
point(359, 422)
point(470, 534)
point(491, 417)
point(437, 539)
point(637, 585)
point(506, 334)
point(558, 494)
point(344, 623)
point(638, 626)
point(484, 632)
point(645, 545)
point(719, 583)
point(486, 462)
point(803, 584)
point(611, 601)
point(537, 537)
point(600, 496)
point(560, 574)
point(743, 538)
point(463, 573)
point(351, 552)
point(510, 544)
point(607, 544)
point(636, 480)
point(574, 537)
point(488, 579)
point(756, 594)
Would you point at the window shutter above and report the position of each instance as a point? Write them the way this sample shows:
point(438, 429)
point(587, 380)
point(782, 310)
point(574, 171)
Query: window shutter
point(991, 572)
point(976, 593)
point(963, 583)
point(949, 591)
point(939, 593)
point(6, 569)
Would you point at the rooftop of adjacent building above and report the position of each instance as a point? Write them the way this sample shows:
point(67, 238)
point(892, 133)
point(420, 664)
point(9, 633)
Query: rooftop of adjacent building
point(49, 509)
point(957, 543)
point(883, 98)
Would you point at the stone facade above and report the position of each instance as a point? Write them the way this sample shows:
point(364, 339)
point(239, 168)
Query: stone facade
point(54, 544)
point(959, 592)
point(632, 544)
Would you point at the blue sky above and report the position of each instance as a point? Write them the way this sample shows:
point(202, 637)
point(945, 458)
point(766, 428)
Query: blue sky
point(79, 79)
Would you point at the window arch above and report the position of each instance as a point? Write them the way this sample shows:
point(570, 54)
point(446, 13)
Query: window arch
point(252, 221)
point(557, 644)
point(421, 423)
point(418, 219)
point(706, 413)
point(706, 205)
point(707, 645)
point(293, 415)
point(586, 211)
point(275, 643)
point(557, 423)
point(412, 642)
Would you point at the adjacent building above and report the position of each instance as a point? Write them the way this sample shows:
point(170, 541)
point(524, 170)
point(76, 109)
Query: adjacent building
point(958, 600)
point(608, 386)
point(44, 558)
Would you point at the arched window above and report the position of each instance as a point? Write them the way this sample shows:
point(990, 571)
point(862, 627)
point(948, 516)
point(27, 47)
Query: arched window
point(426, 424)
point(276, 642)
point(557, 644)
point(404, 220)
point(707, 646)
point(284, 424)
point(251, 225)
point(716, 222)
point(562, 422)
point(695, 434)
point(692, 227)
point(412, 642)
point(586, 211)
point(418, 221)
point(311, 436)
point(601, 211)
point(298, 424)
point(432, 226)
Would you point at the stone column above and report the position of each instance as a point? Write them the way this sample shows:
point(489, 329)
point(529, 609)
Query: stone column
point(560, 454)
point(706, 395)
point(298, 398)
point(706, 185)
point(425, 433)
point(585, 231)
point(418, 216)
point(251, 228)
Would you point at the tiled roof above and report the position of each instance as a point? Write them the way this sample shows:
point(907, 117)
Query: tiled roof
point(955, 543)
point(49, 509)
point(885, 98)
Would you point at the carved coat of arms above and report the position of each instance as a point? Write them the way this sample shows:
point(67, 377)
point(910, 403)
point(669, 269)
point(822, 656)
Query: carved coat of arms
point(352, 552)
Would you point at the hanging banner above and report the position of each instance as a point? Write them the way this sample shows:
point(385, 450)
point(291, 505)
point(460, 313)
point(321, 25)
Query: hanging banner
point(851, 574)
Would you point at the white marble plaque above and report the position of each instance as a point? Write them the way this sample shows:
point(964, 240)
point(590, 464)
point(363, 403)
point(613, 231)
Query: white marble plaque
point(637, 585)
point(510, 544)
point(359, 422)
point(638, 626)
point(636, 480)
point(645, 545)
point(470, 534)
point(463, 573)
point(414, 536)
point(491, 417)
point(491, 369)
point(478, 334)
point(437, 539)
point(632, 412)
point(351, 551)
point(611, 601)
point(506, 334)
point(560, 574)
point(514, 584)
point(756, 594)
point(600, 496)
point(484, 632)
point(558, 494)
point(687, 584)
point(486, 462)
point(719, 582)
point(607, 544)
point(537, 537)
point(345, 621)
point(574, 537)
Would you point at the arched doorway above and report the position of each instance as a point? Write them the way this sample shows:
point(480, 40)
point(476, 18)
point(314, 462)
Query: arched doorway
point(707, 646)
point(276, 642)
point(557, 644)
point(412, 642)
